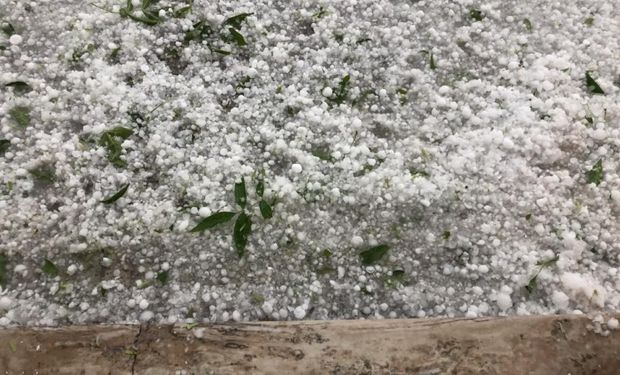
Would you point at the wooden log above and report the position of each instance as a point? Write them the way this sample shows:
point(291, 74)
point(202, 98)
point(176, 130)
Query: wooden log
point(519, 345)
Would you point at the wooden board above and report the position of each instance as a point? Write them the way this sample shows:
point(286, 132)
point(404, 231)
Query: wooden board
point(521, 345)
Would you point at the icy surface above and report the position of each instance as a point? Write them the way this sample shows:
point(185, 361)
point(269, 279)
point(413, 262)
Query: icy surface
point(462, 134)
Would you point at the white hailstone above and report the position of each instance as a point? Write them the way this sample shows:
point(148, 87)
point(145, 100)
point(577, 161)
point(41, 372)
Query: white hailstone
point(296, 168)
point(131, 303)
point(560, 299)
point(144, 304)
point(283, 313)
point(21, 269)
point(5, 303)
point(327, 92)
point(612, 323)
point(72, 269)
point(357, 241)
point(299, 312)
point(165, 266)
point(267, 308)
point(204, 211)
point(483, 268)
point(106, 262)
point(15, 39)
point(146, 316)
point(236, 316)
point(504, 302)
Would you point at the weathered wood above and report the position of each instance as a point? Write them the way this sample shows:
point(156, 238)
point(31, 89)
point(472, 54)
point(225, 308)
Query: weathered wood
point(532, 345)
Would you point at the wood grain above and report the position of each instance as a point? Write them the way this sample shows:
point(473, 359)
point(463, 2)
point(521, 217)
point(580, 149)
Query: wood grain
point(520, 345)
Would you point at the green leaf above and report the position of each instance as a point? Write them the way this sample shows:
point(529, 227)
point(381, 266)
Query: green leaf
point(397, 278)
point(595, 175)
point(374, 254)
point(200, 31)
point(589, 21)
point(182, 12)
point(476, 14)
point(548, 262)
point(44, 173)
point(528, 24)
point(4, 145)
point(220, 51)
point(446, 235)
point(433, 66)
point(116, 196)
point(260, 188)
point(213, 220)
point(237, 37)
point(528, 217)
point(162, 277)
point(342, 92)
point(327, 253)
point(236, 21)
point(49, 268)
point(593, 87)
point(120, 132)
point(7, 28)
point(21, 115)
point(532, 284)
point(19, 87)
point(265, 209)
point(322, 152)
point(241, 232)
point(3, 275)
point(240, 193)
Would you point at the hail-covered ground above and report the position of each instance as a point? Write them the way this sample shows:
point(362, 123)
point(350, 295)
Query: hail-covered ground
point(182, 162)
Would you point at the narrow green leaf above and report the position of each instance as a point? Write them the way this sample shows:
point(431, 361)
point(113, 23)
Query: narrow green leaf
point(182, 12)
point(162, 277)
point(265, 209)
point(19, 87)
point(476, 14)
point(4, 145)
point(13, 346)
point(220, 51)
point(433, 66)
point(213, 220)
point(374, 254)
point(240, 193)
point(3, 274)
point(593, 87)
point(199, 32)
point(241, 232)
point(21, 115)
point(260, 188)
point(237, 37)
point(236, 21)
point(548, 262)
point(532, 284)
point(528, 24)
point(116, 196)
point(595, 175)
point(49, 268)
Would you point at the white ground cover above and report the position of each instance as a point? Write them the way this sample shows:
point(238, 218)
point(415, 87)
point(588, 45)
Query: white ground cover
point(420, 159)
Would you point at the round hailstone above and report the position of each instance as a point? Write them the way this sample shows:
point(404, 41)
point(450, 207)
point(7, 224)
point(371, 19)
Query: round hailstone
point(504, 301)
point(327, 92)
point(5, 303)
point(299, 312)
point(357, 241)
point(15, 39)
point(612, 323)
point(296, 168)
